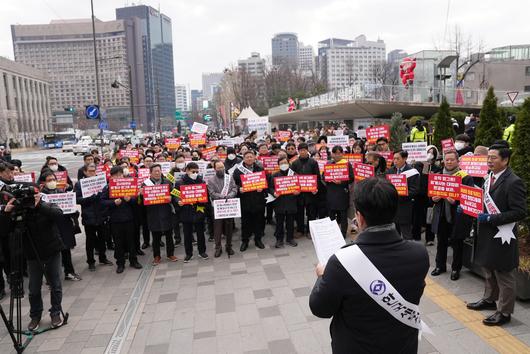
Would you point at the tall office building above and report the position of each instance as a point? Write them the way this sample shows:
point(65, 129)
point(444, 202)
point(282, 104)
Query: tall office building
point(306, 59)
point(181, 97)
point(285, 49)
point(64, 51)
point(396, 55)
point(150, 52)
point(210, 84)
point(349, 62)
point(196, 100)
point(254, 65)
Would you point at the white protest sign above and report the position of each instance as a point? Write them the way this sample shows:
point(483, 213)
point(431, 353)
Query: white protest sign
point(339, 132)
point(209, 172)
point(92, 185)
point(227, 208)
point(259, 124)
point(24, 177)
point(341, 140)
point(361, 133)
point(417, 151)
point(165, 166)
point(65, 201)
point(202, 166)
point(199, 128)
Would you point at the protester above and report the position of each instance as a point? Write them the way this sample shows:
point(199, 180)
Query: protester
point(418, 133)
point(463, 144)
point(87, 160)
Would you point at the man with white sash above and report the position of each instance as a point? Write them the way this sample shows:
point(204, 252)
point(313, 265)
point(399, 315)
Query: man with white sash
point(372, 288)
point(497, 249)
point(405, 206)
point(222, 186)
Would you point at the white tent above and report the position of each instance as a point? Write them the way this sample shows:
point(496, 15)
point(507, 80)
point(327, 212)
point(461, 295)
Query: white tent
point(247, 113)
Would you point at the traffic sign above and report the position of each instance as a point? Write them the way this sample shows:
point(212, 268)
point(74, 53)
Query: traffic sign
point(512, 95)
point(207, 117)
point(132, 125)
point(104, 125)
point(92, 111)
point(178, 115)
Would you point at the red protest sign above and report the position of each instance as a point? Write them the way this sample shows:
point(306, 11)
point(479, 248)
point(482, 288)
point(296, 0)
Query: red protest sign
point(308, 183)
point(444, 186)
point(354, 158)
point(374, 133)
point(172, 143)
point(123, 187)
point(389, 157)
point(447, 145)
point(475, 166)
point(400, 182)
point(197, 139)
point(103, 170)
point(193, 193)
point(62, 179)
point(143, 174)
point(286, 185)
point(336, 172)
point(321, 164)
point(209, 152)
point(270, 163)
point(254, 181)
point(362, 171)
point(133, 155)
point(283, 135)
point(157, 194)
point(471, 200)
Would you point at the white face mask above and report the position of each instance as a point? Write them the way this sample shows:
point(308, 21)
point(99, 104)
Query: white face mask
point(51, 185)
point(460, 145)
point(193, 175)
point(231, 156)
point(125, 171)
point(284, 167)
point(180, 165)
point(54, 168)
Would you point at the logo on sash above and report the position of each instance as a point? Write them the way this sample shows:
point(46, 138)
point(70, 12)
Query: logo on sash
point(377, 287)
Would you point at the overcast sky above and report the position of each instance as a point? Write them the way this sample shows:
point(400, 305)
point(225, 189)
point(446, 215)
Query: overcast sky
point(209, 35)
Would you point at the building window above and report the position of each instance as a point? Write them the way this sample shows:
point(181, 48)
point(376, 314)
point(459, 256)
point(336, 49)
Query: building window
point(527, 71)
point(527, 89)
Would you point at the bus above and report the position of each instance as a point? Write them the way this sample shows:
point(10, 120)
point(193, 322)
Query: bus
point(56, 140)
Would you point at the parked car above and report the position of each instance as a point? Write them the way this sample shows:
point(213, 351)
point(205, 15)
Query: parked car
point(83, 147)
point(68, 145)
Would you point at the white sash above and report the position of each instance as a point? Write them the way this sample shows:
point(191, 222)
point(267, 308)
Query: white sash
point(290, 173)
point(243, 169)
point(505, 232)
point(224, 192)
point(232, 169)
point(410, 173)
point(370, 279)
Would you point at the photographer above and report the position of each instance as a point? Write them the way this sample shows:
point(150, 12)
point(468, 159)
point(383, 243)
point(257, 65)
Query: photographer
point(42, 235)
point(6, 177)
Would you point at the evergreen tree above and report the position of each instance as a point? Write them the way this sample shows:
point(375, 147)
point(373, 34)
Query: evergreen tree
point(489, 127)
point(521, 157)
point(443, 126)
point(398, 135)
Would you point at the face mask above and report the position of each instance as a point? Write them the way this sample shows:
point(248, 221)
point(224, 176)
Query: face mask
point(284, 167)
point(194, 158)
point(231, 156)
point(125, 171)
point(51, 185)
point(54, 168)
point(460, 145)
point(180, 165)
point(193, 175)
point(430, 156)
point(220, 173)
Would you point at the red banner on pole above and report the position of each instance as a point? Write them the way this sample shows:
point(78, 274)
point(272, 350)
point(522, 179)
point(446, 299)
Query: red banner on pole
point(254, 181)
point(471, 200)
point(157, 194)
point(444, 186)
point(193, 193)
point(308, 183)
point(363, 171)
point(475, 166)
point(336, 172)
point(123, 187)
point(286, 185)
point(133, 155)
point(400, 182)
point(374, 133)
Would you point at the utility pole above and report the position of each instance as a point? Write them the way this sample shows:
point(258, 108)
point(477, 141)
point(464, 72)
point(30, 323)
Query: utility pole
point(98, 94)
point(133, 123)
point(158, 110)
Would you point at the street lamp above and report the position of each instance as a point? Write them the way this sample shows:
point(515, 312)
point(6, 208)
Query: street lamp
point(116, 84)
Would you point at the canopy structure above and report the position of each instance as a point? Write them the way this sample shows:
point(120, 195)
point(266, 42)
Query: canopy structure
point(247, 113)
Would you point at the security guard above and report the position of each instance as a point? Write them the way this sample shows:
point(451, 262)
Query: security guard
point(418, 133)
point(510, 130)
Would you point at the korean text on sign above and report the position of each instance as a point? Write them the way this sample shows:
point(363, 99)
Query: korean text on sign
point(475, 166)
point(133, 155)
point(227, 208)
point(92, 185)
point(416, 151)
point(400, 183)
point(444, 186)
point(336, 172)
point(65, 201)
point(157, 194)
point(172, 143)
point(123, 187)
point(447, 145)
point(62, 179)
point(254, 181)
point(193, 193)
point(363, 171)
point(197, 139)
point(270, 163)
point(286, 185)
point(308, 183)
point(471, 200)
point(374, 133)
point(354, 158)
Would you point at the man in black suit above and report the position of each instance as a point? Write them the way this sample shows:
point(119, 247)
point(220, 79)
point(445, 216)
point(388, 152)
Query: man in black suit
point(403, 218)
point(360, 324)
point(499, 257)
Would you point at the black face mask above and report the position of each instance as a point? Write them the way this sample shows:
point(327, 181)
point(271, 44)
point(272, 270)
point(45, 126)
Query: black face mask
point(220, 173)
point(194, 159)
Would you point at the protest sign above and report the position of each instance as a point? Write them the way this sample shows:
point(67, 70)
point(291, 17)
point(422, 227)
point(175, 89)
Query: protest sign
point(354, 158)
point(103, 170)
point(202, 166)
point(270, 163)
point(362, 171)
point(65, 201)
point(417, 151)
point(283, 135)
point(258, 124)
point(471, 200)
point(374, 133)
point(254, 181)
point(447, 145)
point(199, 128)
point(286, 185)
point(172, 144)
point(389, 157)
point(133, 155)
point(62, 179)
point(227, 208)
point(475, 165)
point(361, 133)
point(208, 173)
point(336, 172)
point(143, 174)
point(165, 166)
point(92, 185)
point(334, 140)
point(197, 139)
point(156, 194)
point(28, 177)
point(321, 164)
point(123, 187)
point(193, 193)
point(444, 186)
point(209, 152)
point(400, 182)
point(308, 183)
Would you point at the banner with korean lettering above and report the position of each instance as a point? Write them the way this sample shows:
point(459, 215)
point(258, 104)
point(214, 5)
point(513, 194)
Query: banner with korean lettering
point(227, 208)
point(254, 181)
point(334, 140)
point(209, 152)
point(417, 151)
point(123, 187)
point(62, 179)
point(197, 139)
point(286, 185)
point(172, 144)
point(321, 164)
point(475, 165)
point(193, 193)
point(444, 186)
point(156, 194)
point(308, 183)
point(362, 171)
point(283, 135)
point(399, 181)
point(447, 145)
point(28, 177)
point(374, 133)
point(471, 200)
point(199, 128)
point(92, 185)
point(133, 155)
point(143, 174)
point(354, 158)
point(65, 201)
point(103, 170)
point(389, 157)
point(165, 166)
point(336, 172)
point(270, 163)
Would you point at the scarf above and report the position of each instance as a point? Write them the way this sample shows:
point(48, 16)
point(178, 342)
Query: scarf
point(446, 205)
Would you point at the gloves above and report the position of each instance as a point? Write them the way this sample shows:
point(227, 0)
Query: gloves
point(483, 218)
point(459, 210)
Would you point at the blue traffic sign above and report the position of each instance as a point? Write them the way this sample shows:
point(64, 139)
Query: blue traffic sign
point(92, 111)
point(133, 124)
point(103, 125)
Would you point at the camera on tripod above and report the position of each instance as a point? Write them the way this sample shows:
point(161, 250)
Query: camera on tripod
point(24, 195)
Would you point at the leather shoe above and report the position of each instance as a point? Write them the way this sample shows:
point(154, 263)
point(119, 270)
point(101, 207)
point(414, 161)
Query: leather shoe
point(136, 265)
point(119, 269)
point(497, 319)
point(259, 244)
point(437, 271)
point(244, 246)
point(218, 252)
point(455, 275)
point(482, 305)
point(229, 250)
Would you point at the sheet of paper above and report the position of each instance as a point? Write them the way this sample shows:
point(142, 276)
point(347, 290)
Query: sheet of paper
point(327, 238)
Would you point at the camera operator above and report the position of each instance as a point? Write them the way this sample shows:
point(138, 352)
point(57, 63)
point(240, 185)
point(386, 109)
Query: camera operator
point(7, 172)
point(43, 235)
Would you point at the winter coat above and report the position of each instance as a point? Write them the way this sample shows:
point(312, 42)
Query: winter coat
point(284, 204)
point(65, 222)
point(404, 213)
point(92, 211)
point(216, 185)
point(307, 166)
point(191, 213)
point(159, 216)
point(118, 213)
point(252, 202)
point(338, 195)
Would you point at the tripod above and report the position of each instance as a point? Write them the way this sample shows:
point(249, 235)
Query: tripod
point(19, 336)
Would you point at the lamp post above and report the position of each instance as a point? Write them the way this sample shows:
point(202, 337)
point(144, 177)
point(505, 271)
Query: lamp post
point(117, 84)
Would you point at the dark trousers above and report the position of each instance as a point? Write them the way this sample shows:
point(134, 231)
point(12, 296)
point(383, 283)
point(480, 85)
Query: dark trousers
point(136, 238)
point(342, 219)
point(107, 236)
point(53, 275)
point(444, 239)
point(123, 234)
point(252, 223)
point(500, 286)
point(288, 220)
point(145, 228)
point(220, 227)
point(95, 239)
point(268, 212)
point(421, 203)
point(66, 256)
point(170, 247)
point(303, 211)
point(176, 228)
point(188, 228)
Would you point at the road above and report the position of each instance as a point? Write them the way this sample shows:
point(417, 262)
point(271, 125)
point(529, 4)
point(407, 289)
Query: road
point(33, 160)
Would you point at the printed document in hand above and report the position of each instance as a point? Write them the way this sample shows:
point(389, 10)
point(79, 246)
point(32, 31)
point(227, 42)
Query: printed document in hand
point(327, 238)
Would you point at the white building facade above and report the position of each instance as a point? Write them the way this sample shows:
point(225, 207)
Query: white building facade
point(254, 65)
point(182, 97)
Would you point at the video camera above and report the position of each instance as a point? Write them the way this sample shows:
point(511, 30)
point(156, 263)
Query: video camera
point(24, 195)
